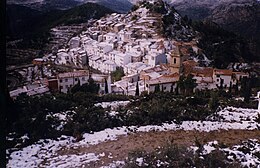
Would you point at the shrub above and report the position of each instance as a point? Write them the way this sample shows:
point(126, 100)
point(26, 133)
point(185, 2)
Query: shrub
point(176, 156)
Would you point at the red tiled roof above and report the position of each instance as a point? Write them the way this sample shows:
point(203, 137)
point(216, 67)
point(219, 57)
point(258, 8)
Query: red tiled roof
point(225, 72)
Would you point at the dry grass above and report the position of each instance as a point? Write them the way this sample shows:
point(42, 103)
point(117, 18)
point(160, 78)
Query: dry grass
point(148, 141)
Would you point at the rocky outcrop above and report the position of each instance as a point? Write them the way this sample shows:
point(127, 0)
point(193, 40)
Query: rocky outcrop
point(241, 18)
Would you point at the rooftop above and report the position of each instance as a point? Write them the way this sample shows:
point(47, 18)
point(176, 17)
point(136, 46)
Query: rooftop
point(165, 79)
point(225, 72)
point(73, 74)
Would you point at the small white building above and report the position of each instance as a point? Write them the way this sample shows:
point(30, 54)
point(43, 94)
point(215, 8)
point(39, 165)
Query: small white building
point(110, 37)
point(30, 90)
point(166, 83)
point(108, 66)
point(133, 68)
point(93, 61)
point(74, 42)
point(156, 59)
point(222, 76)
point(69, 79)
point(101, 80)
point(122, 59)
point(63, 58)
point(103, 48)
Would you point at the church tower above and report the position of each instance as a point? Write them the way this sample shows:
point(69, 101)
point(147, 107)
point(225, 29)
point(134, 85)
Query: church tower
point(175, 60)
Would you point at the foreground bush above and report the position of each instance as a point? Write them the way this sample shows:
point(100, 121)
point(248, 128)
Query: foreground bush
point(178, 157)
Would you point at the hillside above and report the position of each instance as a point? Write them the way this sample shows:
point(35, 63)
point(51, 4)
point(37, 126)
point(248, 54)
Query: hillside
point(233, 131)
point(23, 20)
point(239, 16)
point(121, 6)
point(26, 23)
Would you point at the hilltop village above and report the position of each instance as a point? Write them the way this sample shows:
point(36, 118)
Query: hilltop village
point(134, 44)
point(132, 90)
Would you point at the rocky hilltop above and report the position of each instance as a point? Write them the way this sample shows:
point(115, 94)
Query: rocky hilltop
point(240, 16)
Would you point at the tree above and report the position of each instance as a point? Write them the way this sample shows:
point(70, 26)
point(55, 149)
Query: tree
point(87, 60)
point(246, 88)
point(221, 84)
point(190, 84)
point(213, 102)
point(106, 86)
point(177, 90)
point(117, 74)
point(181, 85)
point(187, 84)
point(137, 89)
point(236, 88)
point(230, 87)
point(157, 88)
point(172, 88)
point(75, 88)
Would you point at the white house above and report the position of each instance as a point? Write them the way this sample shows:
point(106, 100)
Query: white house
point(101, 80)
point(74, 42)
point(156, 59)
point(63, 58)
point(122, 59)
point(110, 37)
point(223, 76)
point(30, 90)
point(166, 83)
point(132, 78)
point(93, 61)
point(135, 67)
point(108, 66)
point(112, 55)
point(103, 48)
point(69, 79)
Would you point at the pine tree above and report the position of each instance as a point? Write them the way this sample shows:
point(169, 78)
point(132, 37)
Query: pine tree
point(106, 86)
point(157, 88)
point(230, 87)
point(247, 90)
point(172, 88)
point(137, 89)
point(213, 102)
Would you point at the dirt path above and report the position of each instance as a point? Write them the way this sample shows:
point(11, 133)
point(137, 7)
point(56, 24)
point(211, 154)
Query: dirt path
point(118, 150)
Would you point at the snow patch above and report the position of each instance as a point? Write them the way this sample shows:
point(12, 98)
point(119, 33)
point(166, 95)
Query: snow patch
point(45, 151)
point(113, 105)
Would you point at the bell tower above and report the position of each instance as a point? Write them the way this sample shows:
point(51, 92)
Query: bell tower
point(176, 60)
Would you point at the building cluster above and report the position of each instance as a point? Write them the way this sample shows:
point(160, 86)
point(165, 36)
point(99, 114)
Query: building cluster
point(133, 42)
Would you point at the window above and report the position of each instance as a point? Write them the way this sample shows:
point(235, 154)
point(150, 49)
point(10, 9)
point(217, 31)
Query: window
point(61, 87)
point(83, 78)
point(67, 86)
point(60, 80)
point(66, 80)
point(76, 79)
point(217, 80)
point(164, 88)
point(218, 76)
point(174, 60)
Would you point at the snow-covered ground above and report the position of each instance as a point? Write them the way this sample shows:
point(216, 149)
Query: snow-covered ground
point(245, 153)
point(113, 105)
point(62, 118)
point(45, 152)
